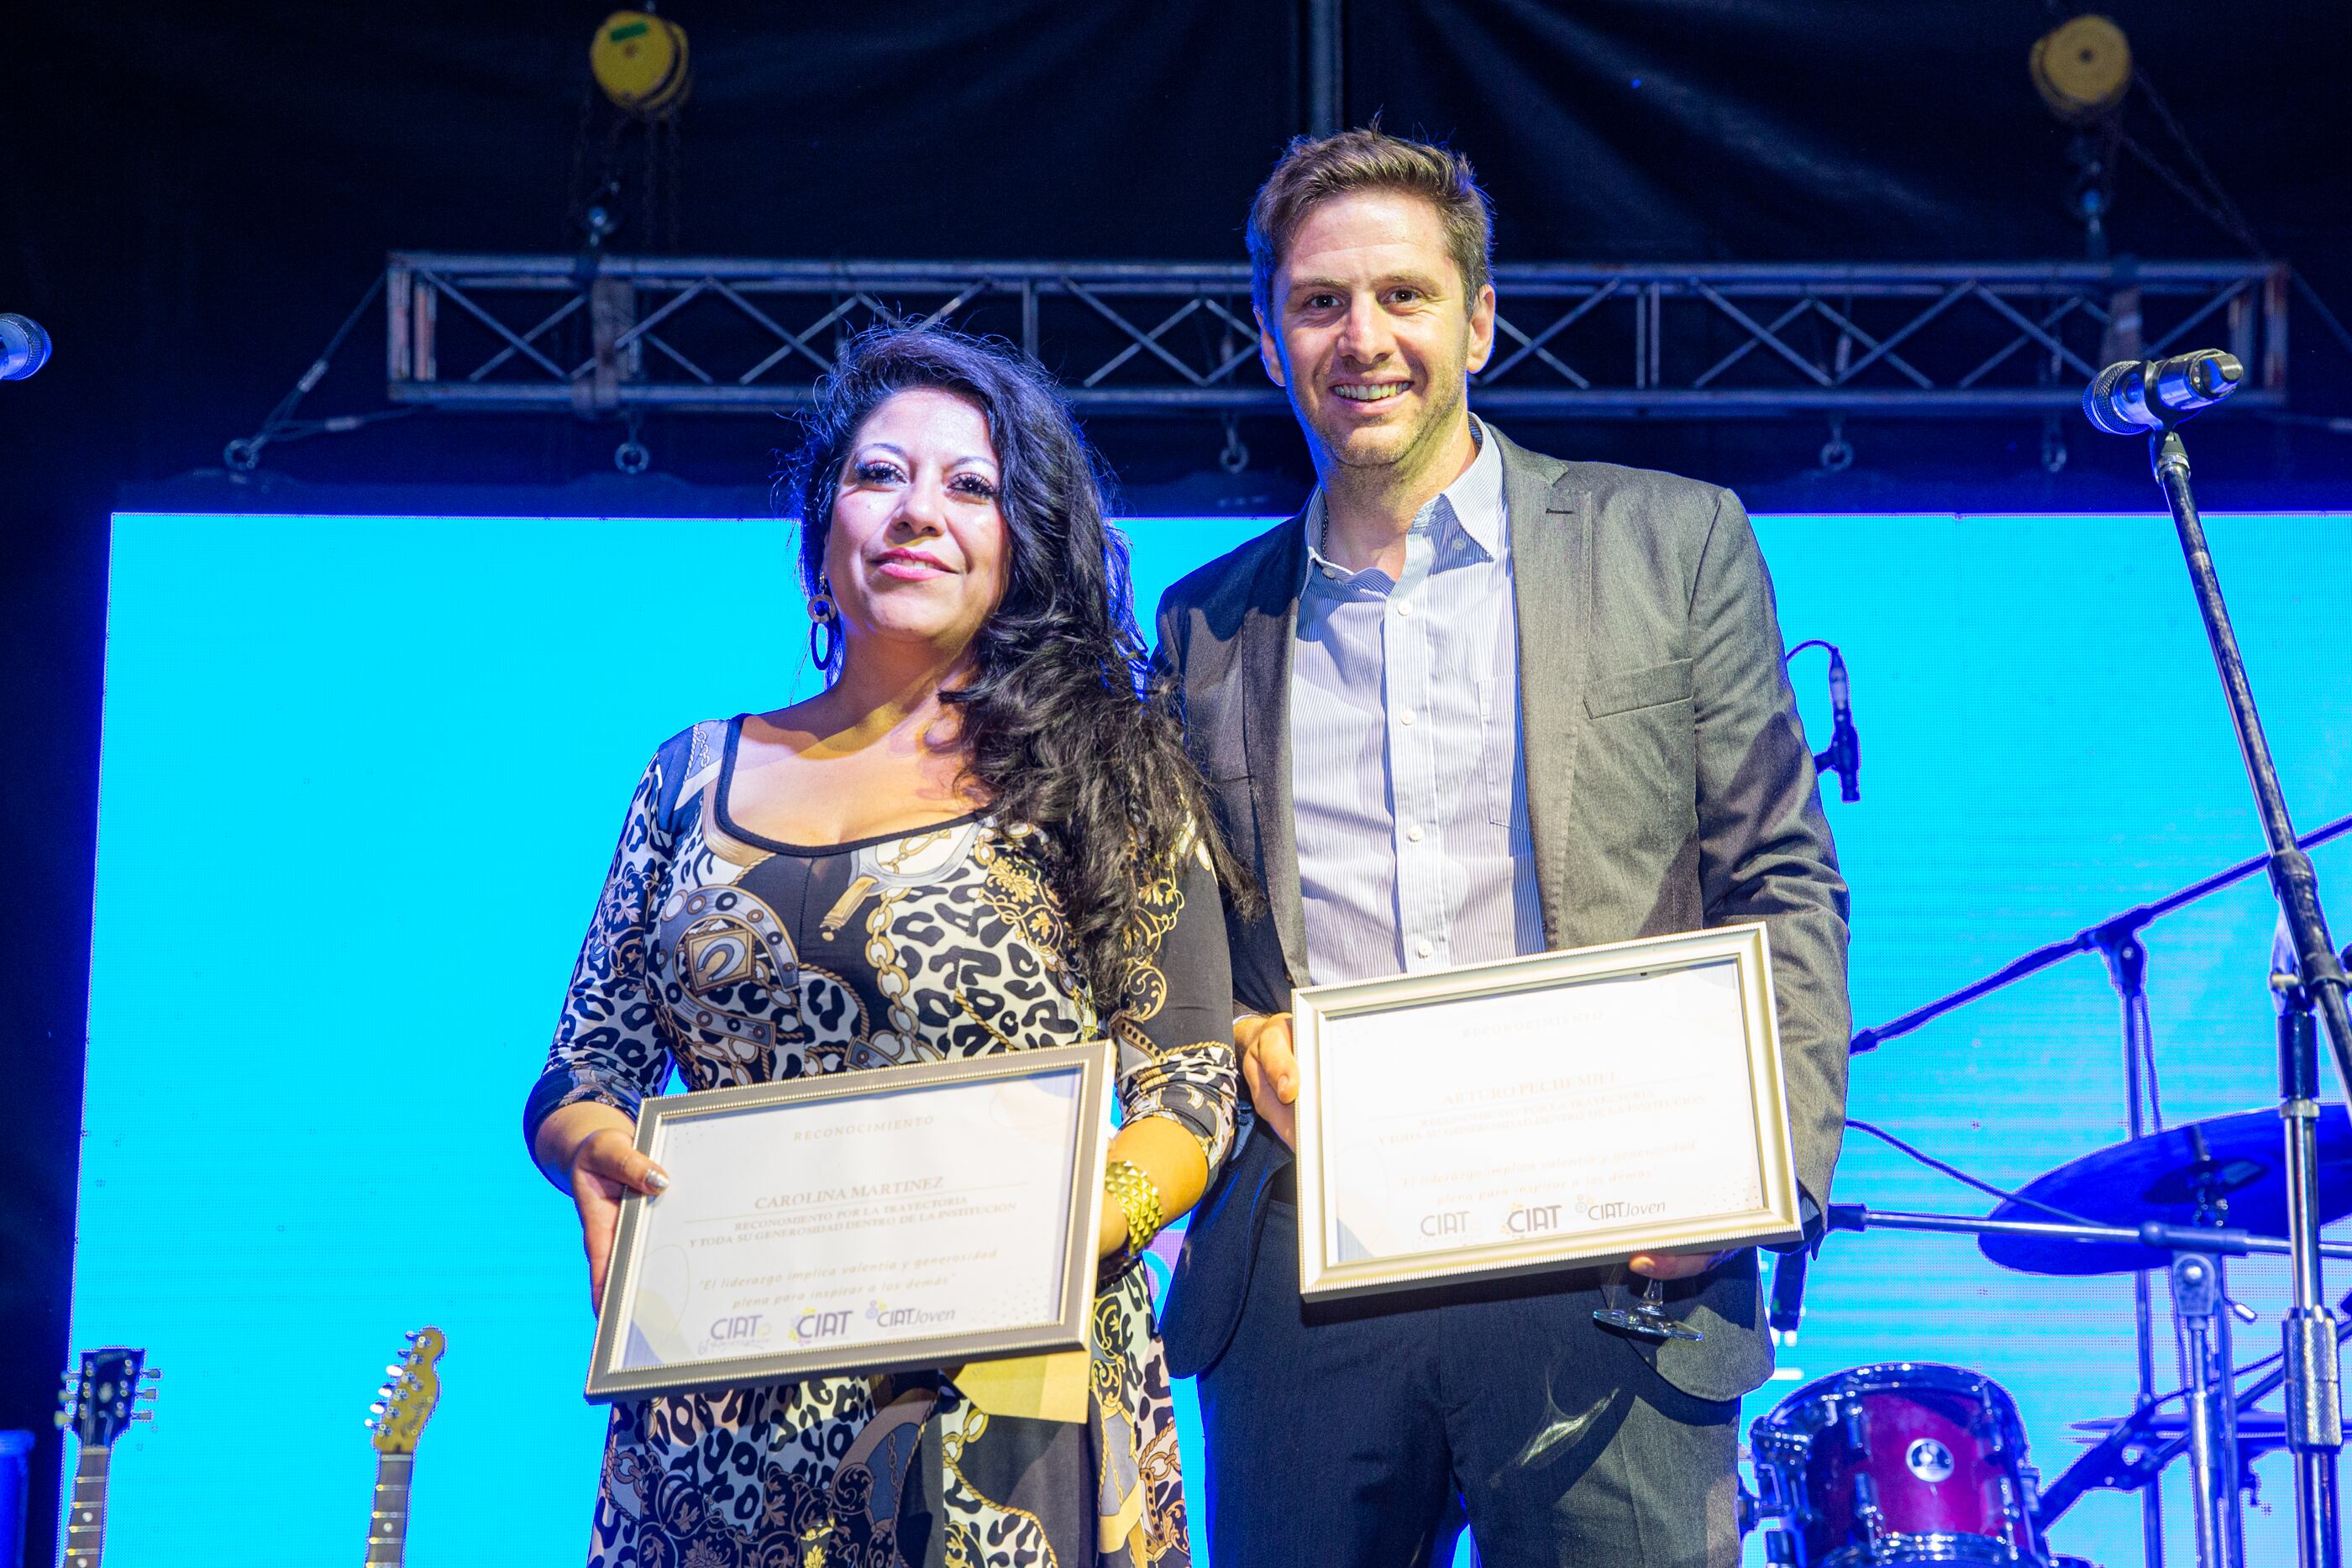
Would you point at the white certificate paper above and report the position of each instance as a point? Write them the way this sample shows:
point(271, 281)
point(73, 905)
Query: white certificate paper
point(861, 1224)
point(1569, 1107)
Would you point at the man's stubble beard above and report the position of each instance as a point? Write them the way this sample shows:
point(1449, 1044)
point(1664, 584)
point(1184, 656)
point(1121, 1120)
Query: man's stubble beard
point(1424, 443)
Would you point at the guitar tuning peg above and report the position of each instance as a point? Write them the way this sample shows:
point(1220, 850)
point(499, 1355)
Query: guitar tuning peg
point(152, 1371)
point(64, 1418)
point(391, 1370)
point(143, 1415)
point(376, 1408)
point(410, 1336)
point(146, 1393)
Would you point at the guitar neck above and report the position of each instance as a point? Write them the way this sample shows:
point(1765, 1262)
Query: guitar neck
point(388, 1520)
point(86, 1515)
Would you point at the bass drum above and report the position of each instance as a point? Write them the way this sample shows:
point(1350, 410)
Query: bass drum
point(1904, 1463)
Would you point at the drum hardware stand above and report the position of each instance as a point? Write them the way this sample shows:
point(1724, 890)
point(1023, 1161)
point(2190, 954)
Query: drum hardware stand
point(2212, 1428)
point(2311, 1368)
point(2119, 945)
point(2200, 1287)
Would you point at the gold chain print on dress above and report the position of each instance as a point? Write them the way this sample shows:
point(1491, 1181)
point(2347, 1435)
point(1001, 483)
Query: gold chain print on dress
point(900, 1042)
point(977, 1521)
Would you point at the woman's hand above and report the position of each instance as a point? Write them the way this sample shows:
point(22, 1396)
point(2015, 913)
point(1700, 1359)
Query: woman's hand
point(603, 1167)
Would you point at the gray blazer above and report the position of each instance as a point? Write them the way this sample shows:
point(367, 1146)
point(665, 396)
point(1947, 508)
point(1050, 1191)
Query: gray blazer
point(1669, 787)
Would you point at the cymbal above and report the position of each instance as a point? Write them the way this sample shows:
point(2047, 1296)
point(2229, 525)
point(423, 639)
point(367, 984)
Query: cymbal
point(2238, 1158)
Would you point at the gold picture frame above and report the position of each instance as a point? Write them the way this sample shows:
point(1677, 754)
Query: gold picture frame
point(749, 1146)
point(1673, 1038)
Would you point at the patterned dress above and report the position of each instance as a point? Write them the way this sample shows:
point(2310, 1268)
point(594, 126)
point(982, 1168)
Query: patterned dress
point(740, 960)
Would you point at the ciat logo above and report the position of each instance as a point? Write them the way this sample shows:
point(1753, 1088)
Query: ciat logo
point(810, 1326)
point(1452, 1222)
point(1532, 1218)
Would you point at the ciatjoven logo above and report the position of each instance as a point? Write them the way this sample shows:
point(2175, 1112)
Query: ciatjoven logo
point(883, 1315)
point(1594, 1212)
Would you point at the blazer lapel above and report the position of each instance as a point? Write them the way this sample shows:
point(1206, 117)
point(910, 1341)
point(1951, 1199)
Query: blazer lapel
point(1268, 637)
point(1551, 577)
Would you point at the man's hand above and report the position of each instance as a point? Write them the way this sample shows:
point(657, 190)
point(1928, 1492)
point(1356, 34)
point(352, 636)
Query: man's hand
point(1271, 1069)
point(1674, 1265)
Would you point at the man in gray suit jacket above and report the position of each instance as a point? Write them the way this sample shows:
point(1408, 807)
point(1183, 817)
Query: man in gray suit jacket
point(1475, 702)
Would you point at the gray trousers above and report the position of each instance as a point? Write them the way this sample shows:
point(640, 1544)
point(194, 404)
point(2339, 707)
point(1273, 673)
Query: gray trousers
point(1342, 1437)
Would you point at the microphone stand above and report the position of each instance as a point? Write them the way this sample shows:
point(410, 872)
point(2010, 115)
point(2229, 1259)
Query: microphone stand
point(2314, 1413)
point(2311, 1347)
point(2293, 880)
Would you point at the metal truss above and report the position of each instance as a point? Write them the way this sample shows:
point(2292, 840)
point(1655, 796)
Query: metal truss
point(611, 333)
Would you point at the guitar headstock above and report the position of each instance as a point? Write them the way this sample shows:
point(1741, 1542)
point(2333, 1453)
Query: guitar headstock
point(100, 1402)
point(410, 1392)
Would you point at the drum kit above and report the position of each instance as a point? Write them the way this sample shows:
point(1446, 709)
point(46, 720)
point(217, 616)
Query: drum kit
point(1914, 1463)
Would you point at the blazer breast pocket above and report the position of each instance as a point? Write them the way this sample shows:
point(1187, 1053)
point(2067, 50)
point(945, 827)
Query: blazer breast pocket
point(1625, 691)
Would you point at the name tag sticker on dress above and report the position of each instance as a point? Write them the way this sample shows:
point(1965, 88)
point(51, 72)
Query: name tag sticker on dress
point(1040, 1388)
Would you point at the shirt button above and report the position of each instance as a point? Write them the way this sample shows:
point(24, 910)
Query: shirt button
point(1405, 719)
point(1403, 608)
point(1413, 833)
point(1424, 947)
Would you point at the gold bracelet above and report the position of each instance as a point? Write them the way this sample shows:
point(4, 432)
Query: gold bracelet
point(1125, 1183)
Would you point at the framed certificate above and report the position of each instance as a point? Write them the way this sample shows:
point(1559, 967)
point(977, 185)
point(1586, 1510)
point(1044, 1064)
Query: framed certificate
point(1566, 1108)
point(871, 1221)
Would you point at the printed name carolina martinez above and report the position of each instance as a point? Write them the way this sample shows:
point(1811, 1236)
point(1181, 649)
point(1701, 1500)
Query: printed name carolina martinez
point(911, 1188)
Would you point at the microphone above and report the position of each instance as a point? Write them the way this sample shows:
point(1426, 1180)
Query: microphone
point(1843, 756)
point(1789, 1290)
point(2133, 395)
point(24, 347)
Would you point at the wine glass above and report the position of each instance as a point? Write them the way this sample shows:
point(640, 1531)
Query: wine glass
point(1646, 1318)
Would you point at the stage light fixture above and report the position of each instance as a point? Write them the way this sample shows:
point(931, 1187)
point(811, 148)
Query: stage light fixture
point(2081, 69)
point(640, 62)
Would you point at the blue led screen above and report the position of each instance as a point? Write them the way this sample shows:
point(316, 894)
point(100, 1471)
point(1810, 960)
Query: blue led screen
point(360, 783)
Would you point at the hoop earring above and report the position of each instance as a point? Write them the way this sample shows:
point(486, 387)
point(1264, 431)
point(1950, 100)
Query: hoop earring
point(825, 625)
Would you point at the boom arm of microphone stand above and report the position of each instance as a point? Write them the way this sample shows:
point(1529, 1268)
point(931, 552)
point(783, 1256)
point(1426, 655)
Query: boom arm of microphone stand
point(2090, 939)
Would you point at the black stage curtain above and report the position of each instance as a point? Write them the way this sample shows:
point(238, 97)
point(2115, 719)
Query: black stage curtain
point(1775, 129)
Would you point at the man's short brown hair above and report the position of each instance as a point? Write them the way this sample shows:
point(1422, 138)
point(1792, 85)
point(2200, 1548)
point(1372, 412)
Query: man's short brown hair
point(1314, 170)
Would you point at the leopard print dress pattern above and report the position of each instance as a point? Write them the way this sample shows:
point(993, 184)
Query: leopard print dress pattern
point(734, 959)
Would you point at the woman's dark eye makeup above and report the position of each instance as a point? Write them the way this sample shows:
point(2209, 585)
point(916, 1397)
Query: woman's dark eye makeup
point(882, 471)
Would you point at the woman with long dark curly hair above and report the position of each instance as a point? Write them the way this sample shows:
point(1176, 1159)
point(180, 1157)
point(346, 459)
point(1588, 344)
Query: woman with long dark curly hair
point(977, 837)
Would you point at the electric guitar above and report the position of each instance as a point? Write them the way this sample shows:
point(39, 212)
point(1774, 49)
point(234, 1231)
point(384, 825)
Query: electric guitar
point(397, 1418)
point(97, 1405)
